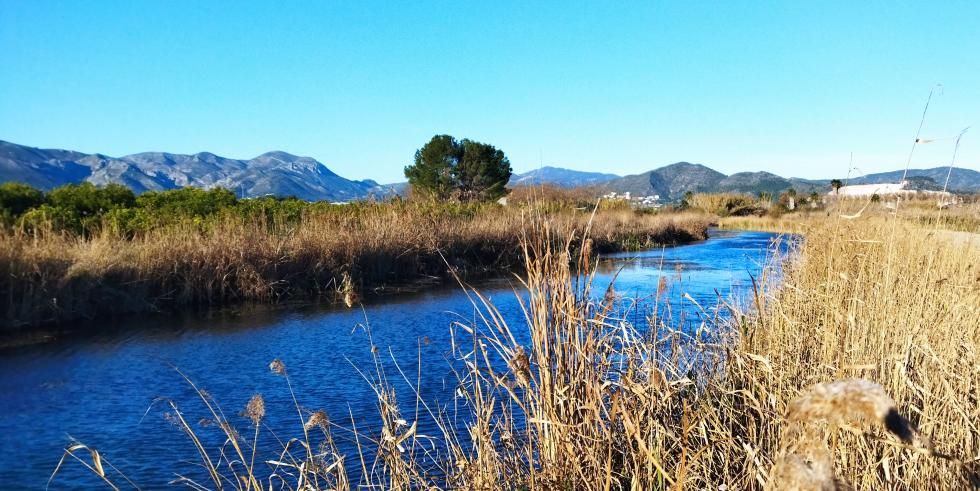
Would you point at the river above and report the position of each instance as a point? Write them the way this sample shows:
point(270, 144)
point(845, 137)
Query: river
point(109, 388)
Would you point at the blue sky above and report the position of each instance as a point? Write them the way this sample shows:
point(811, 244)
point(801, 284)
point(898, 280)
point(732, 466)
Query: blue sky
point(788, 87)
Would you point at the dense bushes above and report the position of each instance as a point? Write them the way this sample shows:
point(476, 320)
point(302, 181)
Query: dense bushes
point(725, 204)
point(85, 209)
point(16, 198)
point(738, 205)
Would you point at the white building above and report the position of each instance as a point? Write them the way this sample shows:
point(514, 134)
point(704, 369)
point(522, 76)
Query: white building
point(867, 190)
point(890, 190)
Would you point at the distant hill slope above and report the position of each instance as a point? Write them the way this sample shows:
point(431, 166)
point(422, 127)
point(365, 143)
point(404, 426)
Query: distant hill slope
point(669, 182)
point(557, 176)
point(959, 180)
point(754, 182)
point(273, 173)
point(283, 174)
point(672, 181)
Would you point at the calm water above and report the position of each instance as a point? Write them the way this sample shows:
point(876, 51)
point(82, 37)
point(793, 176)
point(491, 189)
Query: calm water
point(110, 390)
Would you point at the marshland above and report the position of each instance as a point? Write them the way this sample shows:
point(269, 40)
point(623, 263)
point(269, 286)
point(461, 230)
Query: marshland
point(83, 252)
point(680, 366)
point(312, 246)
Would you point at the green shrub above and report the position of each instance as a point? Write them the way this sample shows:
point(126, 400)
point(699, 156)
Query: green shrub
point(47, 217)
point(16, 198)
point(172, 205)
point(88, 200)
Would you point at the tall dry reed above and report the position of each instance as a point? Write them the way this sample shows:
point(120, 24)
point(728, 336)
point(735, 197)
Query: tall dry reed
point(860, 369)
point(47, 276)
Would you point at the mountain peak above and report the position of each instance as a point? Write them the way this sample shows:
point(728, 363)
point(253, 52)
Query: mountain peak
point(280, 155)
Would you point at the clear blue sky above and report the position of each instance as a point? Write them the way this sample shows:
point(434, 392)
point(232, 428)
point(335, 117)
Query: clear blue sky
point(788, 87)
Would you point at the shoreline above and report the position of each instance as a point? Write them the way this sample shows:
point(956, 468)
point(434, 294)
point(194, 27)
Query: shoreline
point(96, 280)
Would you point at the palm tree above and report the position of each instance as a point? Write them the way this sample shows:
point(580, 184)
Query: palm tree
point(836, 184)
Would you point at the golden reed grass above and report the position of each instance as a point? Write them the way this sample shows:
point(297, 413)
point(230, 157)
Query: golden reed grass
point(860, 369)
point(48, 276)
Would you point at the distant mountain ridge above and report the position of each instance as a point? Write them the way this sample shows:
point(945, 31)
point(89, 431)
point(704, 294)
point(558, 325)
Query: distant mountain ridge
point(669, 181)
point(960, 179)
point(672, 181)
point(283, 174)
point(560, 177)
point(272, 173)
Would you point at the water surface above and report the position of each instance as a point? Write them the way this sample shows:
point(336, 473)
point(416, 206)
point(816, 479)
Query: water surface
point(110, 389)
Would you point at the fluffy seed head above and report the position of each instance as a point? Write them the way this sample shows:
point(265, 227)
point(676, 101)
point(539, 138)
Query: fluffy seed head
point(521, 366)
point(255, 409)
point(317, 419)
point(277, 367)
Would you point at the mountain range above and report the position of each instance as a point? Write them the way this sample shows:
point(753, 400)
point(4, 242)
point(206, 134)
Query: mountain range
point(272, 173)
point(284, 174)
point(672, 181)
point(557, 176)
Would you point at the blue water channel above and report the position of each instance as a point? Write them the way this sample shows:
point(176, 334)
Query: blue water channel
point(110, 387)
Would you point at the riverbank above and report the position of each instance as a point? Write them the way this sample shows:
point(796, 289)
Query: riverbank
point(574, 396)
point(882, 305)
point(48, 276)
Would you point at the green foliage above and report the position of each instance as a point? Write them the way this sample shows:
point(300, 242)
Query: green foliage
point(50, 217)
point(186, 202)
point(77, 208)
point(464, 170)
point(432, 172)
point(836, 184)
point(86, 200)
point(84, 208)
point(686, 200)
point(276, 210)
point(16, 198)
point(483, 172)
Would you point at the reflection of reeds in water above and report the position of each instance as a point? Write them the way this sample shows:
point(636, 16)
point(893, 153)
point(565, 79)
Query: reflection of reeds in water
point(587, 402)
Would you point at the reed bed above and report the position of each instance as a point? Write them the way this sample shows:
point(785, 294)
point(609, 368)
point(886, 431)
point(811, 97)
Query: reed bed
point(47, 276)
point(859, 370)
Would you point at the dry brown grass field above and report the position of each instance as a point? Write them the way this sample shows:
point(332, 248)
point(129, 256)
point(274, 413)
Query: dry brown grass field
point(860, 369)
point(48, 276)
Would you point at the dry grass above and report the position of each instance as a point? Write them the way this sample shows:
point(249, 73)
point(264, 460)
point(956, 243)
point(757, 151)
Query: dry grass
point(727, 204)
point(46, 277)
point(591, 403)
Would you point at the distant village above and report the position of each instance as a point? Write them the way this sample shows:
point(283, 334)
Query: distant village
point(651, 201)
point(884, 191)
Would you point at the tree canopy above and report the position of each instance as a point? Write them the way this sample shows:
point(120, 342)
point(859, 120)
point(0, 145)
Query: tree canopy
point(464, 170)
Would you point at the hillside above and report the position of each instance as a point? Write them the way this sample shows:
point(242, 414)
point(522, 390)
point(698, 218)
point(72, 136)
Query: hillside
point(669, 182)
point(272, 173)
point(557, 176)
point(753, 182)
point(672, 181)
point(284, 174)
point(959, 180)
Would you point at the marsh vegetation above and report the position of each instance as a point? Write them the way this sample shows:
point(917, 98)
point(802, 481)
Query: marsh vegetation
point(589, 401)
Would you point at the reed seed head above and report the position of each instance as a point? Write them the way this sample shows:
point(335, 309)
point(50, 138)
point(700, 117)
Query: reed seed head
point(317, 419)
point(521, 366)
point(850, 400)
point(805, 462)
point(255, 409)
point(277, 367)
